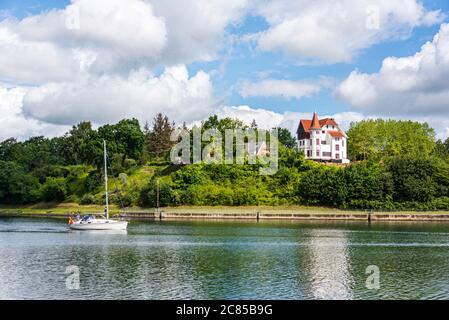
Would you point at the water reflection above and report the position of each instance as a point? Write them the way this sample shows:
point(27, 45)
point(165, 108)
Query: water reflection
point(98, 232)
point(329, 269)
point(224, 260)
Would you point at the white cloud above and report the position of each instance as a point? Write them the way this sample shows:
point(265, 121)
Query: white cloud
point(336, 31)
point(196, 29)
point(95, 35)
point(414, 86)
point(267, 119)
point(281, 88)
point(113, 36)
point(110, 98)
point(91, 61)
point(14, 124)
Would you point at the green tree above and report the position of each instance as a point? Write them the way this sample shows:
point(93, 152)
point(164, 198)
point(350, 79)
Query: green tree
point(81, 145)
point(16, 186)
point(413, 178)
point(285, 137)
point(54, 189)
point(158, 139)
point(379, 139)
point(124, 138)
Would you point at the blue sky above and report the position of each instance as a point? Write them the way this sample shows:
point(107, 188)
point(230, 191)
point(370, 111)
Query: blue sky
point(237, 61)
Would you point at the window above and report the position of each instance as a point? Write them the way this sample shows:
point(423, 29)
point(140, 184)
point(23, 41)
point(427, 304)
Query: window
point(327, 154)
point(317, 142)
point(309, 153)
point(318, 153)
point(337, 147)
point(324, 132)
point(342, 143)
point(337, 156)
point(323, 142)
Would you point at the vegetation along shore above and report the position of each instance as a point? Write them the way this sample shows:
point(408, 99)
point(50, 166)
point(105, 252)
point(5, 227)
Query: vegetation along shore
point(397, 166)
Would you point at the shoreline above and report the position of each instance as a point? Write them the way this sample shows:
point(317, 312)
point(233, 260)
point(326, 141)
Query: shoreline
point(229, 213)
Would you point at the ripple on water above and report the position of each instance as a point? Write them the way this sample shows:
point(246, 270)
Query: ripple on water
point(207, 260)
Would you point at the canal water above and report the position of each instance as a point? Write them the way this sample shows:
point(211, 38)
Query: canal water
point(40, 258)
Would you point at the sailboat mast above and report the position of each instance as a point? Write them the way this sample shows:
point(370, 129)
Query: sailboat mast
point(106, 179)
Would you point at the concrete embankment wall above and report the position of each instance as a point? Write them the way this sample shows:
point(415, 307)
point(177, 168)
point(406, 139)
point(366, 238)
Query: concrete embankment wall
point(261, 215)
point(167, 215)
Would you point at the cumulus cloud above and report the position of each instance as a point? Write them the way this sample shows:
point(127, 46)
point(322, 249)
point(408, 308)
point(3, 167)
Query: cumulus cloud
point(196, 29)
point(267, 119)
point(14, 124)
point(336, 31)
point(88, 35)
point(414, 87)
point(281, 88)
point(109, 98)
point(113, 36)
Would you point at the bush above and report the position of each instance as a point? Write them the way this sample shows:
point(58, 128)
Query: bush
point(16, 186)
point(88, 199)
point(54, 189)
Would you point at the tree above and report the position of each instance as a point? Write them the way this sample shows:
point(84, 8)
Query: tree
point(254, 124)
point(442, 149)
point(379, 139)
point(81, 145)
point(413, 177)
point(124, 139)
point(158, 139)
point(285, 137)
point(16, 186)
point(361, 138)
point(54, 189)
point(223, 124)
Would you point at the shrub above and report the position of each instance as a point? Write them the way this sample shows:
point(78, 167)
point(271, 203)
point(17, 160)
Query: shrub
point(88, 199)
point(54, 189)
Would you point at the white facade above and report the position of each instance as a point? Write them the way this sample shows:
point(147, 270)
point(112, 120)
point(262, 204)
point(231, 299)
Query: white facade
point(323, 140)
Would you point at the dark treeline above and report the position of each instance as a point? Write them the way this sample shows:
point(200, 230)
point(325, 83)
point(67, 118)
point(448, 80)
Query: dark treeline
point(397, 165)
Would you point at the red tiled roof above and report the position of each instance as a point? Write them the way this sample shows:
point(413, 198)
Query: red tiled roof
point(336, 134)
point(315, 122)
point(328, 122)
point(323, 122)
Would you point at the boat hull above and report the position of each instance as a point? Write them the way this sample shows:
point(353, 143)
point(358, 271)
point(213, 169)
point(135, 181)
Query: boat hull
point(100, 225)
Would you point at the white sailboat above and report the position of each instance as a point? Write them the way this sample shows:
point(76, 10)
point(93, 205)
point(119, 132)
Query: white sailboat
point(92, 223)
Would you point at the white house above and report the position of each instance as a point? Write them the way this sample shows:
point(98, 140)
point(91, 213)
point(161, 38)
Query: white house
point(322, 140)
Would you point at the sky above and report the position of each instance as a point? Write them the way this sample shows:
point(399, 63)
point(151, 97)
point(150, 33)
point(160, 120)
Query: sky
point(62, 62)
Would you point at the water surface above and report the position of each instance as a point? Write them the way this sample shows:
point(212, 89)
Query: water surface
point(224, 260)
